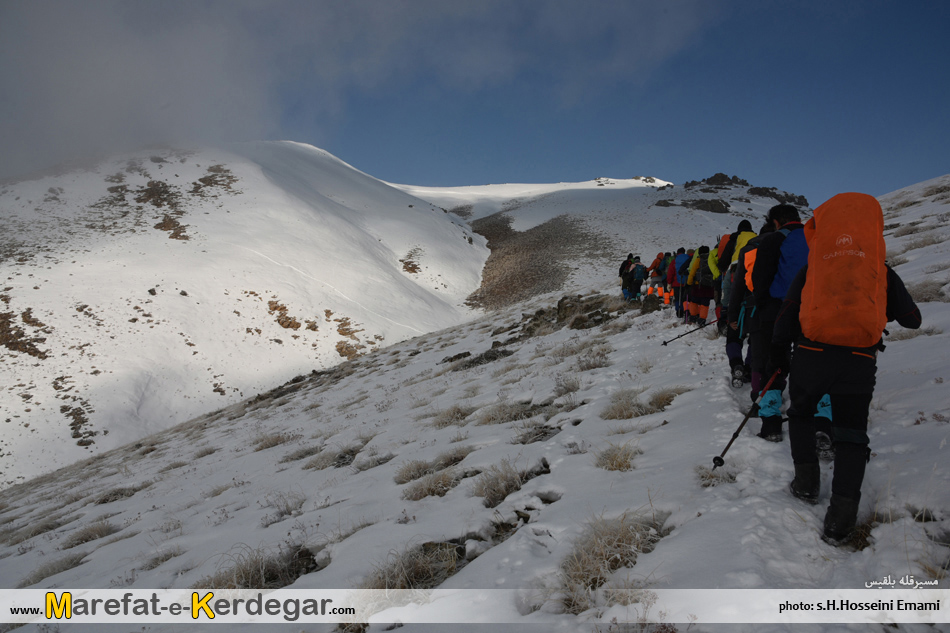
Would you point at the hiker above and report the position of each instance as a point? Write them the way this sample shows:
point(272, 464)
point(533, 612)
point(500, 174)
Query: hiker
point(835, 313)
point(625, 268)
point(723, 262)
point(676, 281)
point(638, 274)
point(656, 271)
point(741, 316)
point(778, 259)
point(701, 284)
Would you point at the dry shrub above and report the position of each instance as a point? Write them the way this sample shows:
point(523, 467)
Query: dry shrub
point(566, 383)
point(52, 568)
point(248, 568)
point(928, 290)
point(17, 536)
point(162, 557)
point(301, 453)
point(605, 546)
point(271, 440)
point(709, 477)
point(626, 403)
point(594, 357)
point(455, 414)
point(532, 431)
point(498, 482)
point(412, 470)
point(451, 457)
point(923, 242)
point(907, 229)
point(432, 485)
point(502, 412)
point(373, 461)
point(903, 335)
point(617, 457)
point(662, 398)
point(336, 459)
point(120, 493)
point(208, 450)
point(423, 567)
point(91, 532)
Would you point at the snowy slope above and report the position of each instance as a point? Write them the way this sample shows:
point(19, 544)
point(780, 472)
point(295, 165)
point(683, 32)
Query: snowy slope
point(283, 259)
point(322, 464)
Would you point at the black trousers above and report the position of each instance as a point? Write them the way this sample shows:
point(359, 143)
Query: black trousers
point(848, 376)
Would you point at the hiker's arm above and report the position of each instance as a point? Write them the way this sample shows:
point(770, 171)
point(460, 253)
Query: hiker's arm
point(900, 305)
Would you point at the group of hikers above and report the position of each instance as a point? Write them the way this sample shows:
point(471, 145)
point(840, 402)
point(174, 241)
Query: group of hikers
point(812, 301)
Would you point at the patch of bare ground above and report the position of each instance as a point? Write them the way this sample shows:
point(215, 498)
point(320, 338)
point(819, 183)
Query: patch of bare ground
point(14, 338)
point(527, 263)
point(410, 263)
point(218, 176)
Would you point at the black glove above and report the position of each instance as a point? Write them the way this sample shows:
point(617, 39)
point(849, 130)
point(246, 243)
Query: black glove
point(780, 359)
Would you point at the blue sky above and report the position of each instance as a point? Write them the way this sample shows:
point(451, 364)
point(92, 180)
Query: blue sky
point(810, 97)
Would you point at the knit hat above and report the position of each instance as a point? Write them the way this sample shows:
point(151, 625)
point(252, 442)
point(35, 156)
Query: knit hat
point(745, 225)
point(637, 258)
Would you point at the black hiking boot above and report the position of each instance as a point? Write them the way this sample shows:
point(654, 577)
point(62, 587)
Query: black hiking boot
point(839, 520)
point(807, 483)
point(771, 428)
point(738, 375)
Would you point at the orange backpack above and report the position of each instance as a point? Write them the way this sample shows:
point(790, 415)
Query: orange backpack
point(844, 300)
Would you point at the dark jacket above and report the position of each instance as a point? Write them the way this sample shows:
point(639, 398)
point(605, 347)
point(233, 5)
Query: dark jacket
point(739, 287)
point(776, 264)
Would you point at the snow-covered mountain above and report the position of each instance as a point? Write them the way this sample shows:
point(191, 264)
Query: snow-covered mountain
point(145, 290)
point(506, 451)
point(149, 289)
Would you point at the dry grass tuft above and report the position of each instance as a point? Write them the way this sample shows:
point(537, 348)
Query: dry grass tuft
point(929, 290)
point(91, 532)
point(455, 414)
point(247, 568)
point(498, 482)
point(626, 403)
point(903, 335)
point(531, 431)
point(52, 568)
point(271, 440)
point(709, 478)
point(423, 567)
point(503, 412)
point(605, 546)
point(617, 457)
point(432, 485)
point(162, 557)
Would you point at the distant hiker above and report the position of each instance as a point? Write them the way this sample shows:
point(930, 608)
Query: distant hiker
point(625, 268)
point(701, 284)
point(673, 278)
point(638, 274)
point(834, 312)
point(779, 258)
point(723, 261)
point(656, 271)
point(741, 315)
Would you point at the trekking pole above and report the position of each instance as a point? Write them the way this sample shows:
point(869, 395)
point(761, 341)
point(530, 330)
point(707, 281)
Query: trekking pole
point(696, 330)
point(718, 461)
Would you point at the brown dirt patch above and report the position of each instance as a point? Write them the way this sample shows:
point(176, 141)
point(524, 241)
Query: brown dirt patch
point(529, 263)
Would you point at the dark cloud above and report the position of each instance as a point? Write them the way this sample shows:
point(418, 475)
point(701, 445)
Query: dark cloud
point(80, 78)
